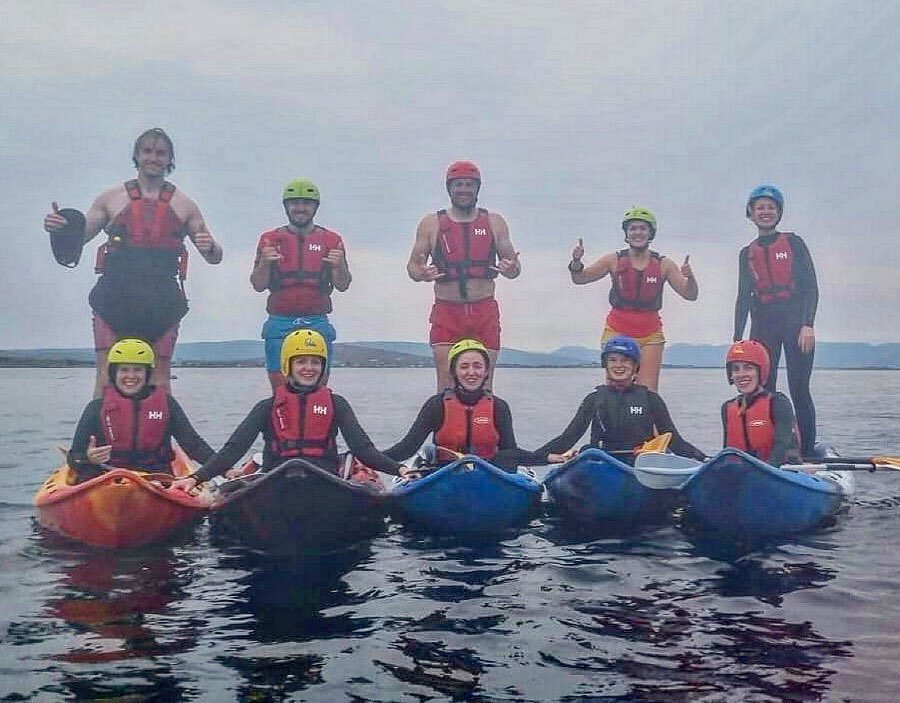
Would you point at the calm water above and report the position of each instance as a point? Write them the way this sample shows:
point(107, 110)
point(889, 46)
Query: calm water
point(542, 615)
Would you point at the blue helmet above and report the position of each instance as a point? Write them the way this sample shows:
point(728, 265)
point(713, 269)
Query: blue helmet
point(765, 191)
point(622, 345)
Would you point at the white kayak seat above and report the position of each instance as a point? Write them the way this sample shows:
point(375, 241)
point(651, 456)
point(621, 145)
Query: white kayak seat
point(664, 471)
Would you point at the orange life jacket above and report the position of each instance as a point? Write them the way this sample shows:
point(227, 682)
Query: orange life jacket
point(468, 429)
point(751, 429)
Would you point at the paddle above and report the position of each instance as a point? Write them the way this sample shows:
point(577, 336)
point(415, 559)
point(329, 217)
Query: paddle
point(848, 464)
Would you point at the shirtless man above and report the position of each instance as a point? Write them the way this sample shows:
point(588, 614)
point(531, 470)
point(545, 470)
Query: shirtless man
point(461, 251)
point(143, 263)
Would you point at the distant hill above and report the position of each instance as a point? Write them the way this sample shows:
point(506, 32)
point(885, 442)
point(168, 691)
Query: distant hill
point(244, 352)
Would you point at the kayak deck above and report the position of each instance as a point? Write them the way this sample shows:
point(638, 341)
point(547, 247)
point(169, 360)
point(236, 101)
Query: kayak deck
point(298, 505)
point(468, 496)
point(120, 508)
point(594, 487)
point(736, 493)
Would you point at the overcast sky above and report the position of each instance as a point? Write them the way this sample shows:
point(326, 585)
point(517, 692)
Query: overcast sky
point(575, 111)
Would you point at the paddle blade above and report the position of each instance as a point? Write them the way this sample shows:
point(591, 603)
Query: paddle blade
point(68, 242)
point(658, 444)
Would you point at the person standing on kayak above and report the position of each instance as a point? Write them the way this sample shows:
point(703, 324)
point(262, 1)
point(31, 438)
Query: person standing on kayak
point(638, 278)
point(468, 419)
point(300, 420)
point(300, 264)
point(132, 424)
point(777, 288)
point(461, 251)
point(143, 263)
point(759, 421)
point(622, 414)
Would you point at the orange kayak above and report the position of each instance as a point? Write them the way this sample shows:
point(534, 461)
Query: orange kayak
point(119, 508)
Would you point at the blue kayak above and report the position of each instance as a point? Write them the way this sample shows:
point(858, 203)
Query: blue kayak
point(740, 495)
point(595, 487)
point(468, 496)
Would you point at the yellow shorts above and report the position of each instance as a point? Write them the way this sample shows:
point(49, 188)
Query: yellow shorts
point(653, 338)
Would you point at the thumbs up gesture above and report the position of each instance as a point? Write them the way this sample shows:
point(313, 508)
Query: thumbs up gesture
point(98, 455)
point(53, 221)
point(578, 251)
point(686, 267)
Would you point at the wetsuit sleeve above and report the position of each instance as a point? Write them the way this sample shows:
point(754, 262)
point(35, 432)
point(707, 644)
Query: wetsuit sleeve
point(358, 442)
point(663, 423)
point(184, 433)
point(805, 280)
point(744, 294)
point(785, 447)
point(429, 419)
point(238, 443)
point(577, 427)
point(723, 412)
point(509, 455)
point(88, 424)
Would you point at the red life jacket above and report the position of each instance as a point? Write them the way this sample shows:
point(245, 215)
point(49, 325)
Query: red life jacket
point(771, 266)
point(147, 223)
point(468, 429)
point(300, 282)
point(302, 423)
point(138, 430)
point(637, 290)
point(465, 249)
point(751, 430)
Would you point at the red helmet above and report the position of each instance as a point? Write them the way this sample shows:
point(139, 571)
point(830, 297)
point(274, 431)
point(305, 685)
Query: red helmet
point(752, 352)
point(463, 169)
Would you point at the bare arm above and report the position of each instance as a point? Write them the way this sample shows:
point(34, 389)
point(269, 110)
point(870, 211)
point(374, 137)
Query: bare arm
point(208, 247)
point(508, 264)
point(340, 270)
point(595, 271)
point(681, 278)
point(418, 267)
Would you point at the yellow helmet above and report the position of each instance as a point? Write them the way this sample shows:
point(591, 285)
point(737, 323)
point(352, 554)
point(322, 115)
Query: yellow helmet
point(131, 351)
point(464, 345)
point(302, 343)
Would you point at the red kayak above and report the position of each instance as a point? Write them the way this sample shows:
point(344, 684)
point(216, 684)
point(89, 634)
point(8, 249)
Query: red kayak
point(119, 508)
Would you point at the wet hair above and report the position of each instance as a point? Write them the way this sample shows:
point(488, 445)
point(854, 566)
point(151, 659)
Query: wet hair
point(156, 133)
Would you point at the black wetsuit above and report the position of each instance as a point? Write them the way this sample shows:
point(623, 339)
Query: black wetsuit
point(778, 325)
point(431, 418)
point(178, 427)
point(259, 420)
point(620, 420)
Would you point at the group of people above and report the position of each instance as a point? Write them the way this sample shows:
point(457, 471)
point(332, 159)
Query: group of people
point(139, 300)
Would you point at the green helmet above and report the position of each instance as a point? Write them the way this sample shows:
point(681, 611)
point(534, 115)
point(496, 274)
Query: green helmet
point(301, 188)
point(639, 213)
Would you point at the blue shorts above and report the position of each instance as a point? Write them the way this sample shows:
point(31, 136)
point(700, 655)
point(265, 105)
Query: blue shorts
point(277, 327)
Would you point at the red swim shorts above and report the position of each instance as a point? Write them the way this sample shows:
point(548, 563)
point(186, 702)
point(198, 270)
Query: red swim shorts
point(451, 321)
point(105, 337)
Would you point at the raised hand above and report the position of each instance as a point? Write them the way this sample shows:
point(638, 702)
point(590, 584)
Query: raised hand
point(427, 272)
point(578, 251)
point(686, 267)
point(507, 266)
point(98, 455)
point(53, 221)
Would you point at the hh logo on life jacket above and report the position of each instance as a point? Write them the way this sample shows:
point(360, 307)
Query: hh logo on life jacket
point(758, 423)
point(320, 409)
point(780, 255)
point(480, 231)
point(481, 419)
point(636, 409)
point(651, 279)
point(154, 415)
point(315, 247)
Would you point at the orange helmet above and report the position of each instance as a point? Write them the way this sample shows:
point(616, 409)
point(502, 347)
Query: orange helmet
point(752, 352)
point(463, 169)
